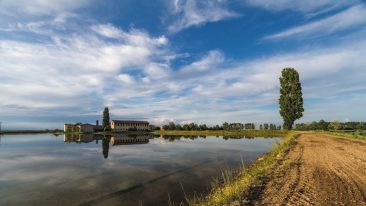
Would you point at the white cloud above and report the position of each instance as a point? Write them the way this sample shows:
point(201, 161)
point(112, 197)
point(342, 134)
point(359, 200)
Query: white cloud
point(108, 30)
point(70, 69)
point(156, 71)
point(196, 12)
point(125, 78)
point(133, 37)
point(352, 17)
point(300, 5)
point(212, 58)
point(39, 7)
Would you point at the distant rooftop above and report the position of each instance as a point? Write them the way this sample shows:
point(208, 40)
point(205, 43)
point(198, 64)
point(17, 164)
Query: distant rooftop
point(129, 121)
point(79, 123)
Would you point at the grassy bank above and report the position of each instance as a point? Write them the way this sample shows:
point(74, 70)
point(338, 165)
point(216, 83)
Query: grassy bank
point(247, 133)
point(344, 134)
point(232, 187)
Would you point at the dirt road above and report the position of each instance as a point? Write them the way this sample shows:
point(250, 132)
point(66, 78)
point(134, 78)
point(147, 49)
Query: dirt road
point(319, 170)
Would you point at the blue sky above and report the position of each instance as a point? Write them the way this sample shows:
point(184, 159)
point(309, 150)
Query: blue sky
point(178, 60)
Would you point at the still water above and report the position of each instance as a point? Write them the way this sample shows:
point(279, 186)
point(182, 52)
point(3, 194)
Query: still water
point(44, 169)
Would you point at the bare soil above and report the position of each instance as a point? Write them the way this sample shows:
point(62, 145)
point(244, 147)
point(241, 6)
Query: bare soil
point(319, 170)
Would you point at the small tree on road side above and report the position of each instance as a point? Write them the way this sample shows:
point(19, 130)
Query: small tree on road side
point(291, 101)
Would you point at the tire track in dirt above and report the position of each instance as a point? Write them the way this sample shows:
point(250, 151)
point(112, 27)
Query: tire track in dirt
point(319, 170)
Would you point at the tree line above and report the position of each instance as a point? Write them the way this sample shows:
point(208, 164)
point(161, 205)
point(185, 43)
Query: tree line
point(334, 125)
point(225, 126)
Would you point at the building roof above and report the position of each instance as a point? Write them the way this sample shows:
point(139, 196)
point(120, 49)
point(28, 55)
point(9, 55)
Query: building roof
point(130, 121)
point(78, 124)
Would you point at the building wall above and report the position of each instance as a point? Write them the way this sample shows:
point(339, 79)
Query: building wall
point(86, 128)
point(79, 128)
point(124, 126)
point(70, 128)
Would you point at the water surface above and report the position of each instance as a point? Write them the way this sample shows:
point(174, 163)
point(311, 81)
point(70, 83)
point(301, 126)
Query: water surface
point(43, 169)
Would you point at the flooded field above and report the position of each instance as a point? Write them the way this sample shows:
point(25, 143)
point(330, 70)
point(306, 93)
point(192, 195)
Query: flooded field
point(43, 169)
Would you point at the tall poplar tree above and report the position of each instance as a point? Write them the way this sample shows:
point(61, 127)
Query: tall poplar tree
point(105, 119)
point(291, 101)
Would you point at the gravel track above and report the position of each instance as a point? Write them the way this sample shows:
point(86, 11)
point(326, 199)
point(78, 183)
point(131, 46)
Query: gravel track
point(319, 170)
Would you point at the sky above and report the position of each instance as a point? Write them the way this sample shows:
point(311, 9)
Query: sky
point(203, 61)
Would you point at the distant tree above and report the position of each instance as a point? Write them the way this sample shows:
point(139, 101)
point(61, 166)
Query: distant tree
point(323, 125)
point(217, 127)
point(178, 127)
point(261, 127)
point(165, 127)
point(272, 127)
point(171, 126)
point(185, 127)
point(203, 127)
point(235, 126)
point(335, 125)
point(192, 126)
point(225, 126)
point(313, 125)
point(105, 123)
point(249, 126)
point(266, 126)
point(291, 101)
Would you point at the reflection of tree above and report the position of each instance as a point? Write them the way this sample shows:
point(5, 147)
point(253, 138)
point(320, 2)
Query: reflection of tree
point(237, 137)
point(172, 138)
point(105, 145)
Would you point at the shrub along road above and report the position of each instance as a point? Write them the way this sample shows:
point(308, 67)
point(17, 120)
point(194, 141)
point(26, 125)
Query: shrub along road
point(319, 170)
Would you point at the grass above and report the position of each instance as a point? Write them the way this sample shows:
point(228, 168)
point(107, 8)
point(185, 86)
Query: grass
point(353, 135)
point(230, 189)
point(247, 133)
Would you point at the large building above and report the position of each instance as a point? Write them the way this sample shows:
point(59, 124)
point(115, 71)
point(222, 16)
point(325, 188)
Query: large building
point(81, 128)
point(128, 125)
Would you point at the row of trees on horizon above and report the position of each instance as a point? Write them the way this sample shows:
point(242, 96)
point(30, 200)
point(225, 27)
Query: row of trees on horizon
point(334, 125)
point(315, 125)
point(224, 126)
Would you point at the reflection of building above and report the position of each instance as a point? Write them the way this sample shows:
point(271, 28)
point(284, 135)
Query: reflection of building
point(81, 138)
point(82, 128)
point(116, 139)
point(87, 138)
point(126, 125)
point(123, 139)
